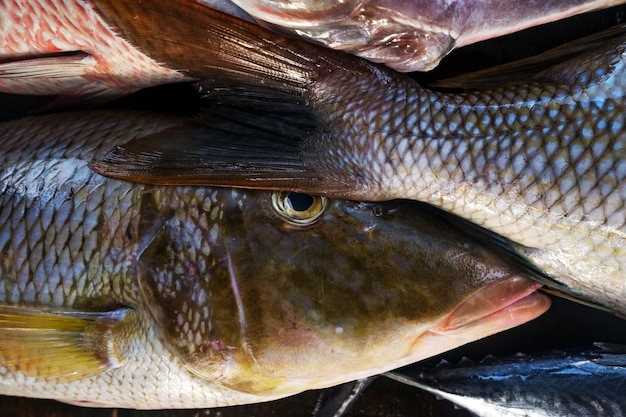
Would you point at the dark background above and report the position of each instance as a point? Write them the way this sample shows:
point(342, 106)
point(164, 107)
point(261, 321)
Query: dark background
point(565, 325)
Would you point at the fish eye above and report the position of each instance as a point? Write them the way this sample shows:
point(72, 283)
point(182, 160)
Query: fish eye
point(298, 208)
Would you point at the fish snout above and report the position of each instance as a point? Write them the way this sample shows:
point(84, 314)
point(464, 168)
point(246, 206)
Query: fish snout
point(500, 306)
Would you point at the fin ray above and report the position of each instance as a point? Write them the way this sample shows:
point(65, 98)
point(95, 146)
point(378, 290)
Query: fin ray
point(59, 345)
point(232, 144)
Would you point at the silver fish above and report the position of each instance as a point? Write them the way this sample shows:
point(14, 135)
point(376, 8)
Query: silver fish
point(586, 383)
point(539, 164)
point(140, 296)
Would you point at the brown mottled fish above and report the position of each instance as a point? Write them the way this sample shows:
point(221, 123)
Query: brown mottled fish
point(537, 161)
point(143, 296)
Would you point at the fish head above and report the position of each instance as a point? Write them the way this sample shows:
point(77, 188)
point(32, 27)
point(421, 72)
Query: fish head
point(403, 35)
point(410, 35)
point(278, 292)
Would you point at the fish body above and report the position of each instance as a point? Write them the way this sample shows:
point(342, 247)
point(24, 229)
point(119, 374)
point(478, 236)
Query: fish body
point(141, 296)
point(548, 384)
point(411, 35)
point(66, 48)
point(75, 51)
point(539, 164)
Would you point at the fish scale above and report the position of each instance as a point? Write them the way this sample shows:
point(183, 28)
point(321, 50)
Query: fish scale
point(581, 382)
point(91, 49)
point(537, 165)
point(116, 294)
point(532, 153)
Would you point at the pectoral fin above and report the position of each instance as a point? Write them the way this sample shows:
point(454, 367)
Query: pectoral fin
point(60, 345)
point(248, 139)
point(62, 75)
point(58, 65)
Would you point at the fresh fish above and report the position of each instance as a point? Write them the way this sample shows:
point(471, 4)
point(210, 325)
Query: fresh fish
point(77, 52)
point(411, 35)
point(70, 50)
point(66, 48)
point(539, 164)
point(550, 384)
point(127, 295)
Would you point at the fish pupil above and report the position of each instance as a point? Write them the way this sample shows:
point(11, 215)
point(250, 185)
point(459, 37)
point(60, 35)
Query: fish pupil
point(300, 201)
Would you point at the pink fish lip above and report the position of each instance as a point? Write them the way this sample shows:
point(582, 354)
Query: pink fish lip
point(507, 303)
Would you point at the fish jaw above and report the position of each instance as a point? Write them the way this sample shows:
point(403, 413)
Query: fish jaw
point(499, 307)
point(67, 48)
point(411, 35)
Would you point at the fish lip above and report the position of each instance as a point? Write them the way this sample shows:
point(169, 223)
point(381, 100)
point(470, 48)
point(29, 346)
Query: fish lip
point(489, 301)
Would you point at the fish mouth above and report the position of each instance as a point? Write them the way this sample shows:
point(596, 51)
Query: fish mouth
point(500, 306)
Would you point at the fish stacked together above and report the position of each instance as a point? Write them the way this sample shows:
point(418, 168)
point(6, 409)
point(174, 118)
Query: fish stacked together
point(126, 280)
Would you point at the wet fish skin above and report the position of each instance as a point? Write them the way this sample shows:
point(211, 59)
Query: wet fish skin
point(141, 296)
point(66, 48)
point(70, 50)
point(581, 382)
point(411, 35)
point(540, 162)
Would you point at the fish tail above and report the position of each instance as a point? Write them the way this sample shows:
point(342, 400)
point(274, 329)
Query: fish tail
point(263, 98)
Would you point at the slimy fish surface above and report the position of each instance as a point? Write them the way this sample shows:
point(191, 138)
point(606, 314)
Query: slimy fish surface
point(535, 157)
point(143, 296)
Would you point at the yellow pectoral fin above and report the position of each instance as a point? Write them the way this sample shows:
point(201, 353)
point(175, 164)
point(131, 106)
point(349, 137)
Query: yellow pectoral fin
point(59, 345)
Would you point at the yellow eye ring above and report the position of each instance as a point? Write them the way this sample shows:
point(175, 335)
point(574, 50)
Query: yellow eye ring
point(298, 208)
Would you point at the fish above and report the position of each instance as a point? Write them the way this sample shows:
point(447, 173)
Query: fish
point(411, 35)
point(580, 382)
point(65, 48)
point(70, 51)
point(116, 294)
point(537, 165)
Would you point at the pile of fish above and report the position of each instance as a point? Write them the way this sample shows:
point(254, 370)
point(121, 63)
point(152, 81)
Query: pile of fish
point(538, 164)
point(376, 222)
